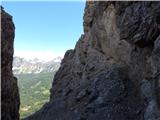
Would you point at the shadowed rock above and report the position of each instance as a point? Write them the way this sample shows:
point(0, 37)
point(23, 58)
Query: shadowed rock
point(9, 89)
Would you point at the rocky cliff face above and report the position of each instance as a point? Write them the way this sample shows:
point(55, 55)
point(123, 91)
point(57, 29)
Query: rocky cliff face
point(114, 71)
point(9, 90)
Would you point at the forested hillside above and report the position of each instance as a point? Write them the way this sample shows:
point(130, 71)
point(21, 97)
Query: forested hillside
point(34, 91)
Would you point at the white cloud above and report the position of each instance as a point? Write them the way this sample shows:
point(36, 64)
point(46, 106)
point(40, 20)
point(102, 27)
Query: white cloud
point(42, 55)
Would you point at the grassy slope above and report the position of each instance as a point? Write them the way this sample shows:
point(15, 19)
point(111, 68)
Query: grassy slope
point(34, 91)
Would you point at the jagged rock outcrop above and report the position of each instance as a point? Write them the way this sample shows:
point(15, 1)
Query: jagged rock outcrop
point(114, 71)
point(9, 89)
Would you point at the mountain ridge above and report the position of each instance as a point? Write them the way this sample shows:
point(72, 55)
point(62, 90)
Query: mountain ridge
point(24, 66)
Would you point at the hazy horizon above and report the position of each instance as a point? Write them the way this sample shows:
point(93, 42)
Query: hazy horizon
point(45, 30)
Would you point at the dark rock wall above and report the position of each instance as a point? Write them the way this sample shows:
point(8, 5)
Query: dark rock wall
point(114, 71)
point(9, 89)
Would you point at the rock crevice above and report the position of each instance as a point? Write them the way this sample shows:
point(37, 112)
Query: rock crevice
point(113, 72)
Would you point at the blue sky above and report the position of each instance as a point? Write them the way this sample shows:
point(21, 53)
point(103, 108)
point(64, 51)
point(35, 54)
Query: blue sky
point(45, 28)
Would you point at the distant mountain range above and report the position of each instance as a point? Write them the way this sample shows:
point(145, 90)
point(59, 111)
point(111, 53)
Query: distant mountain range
point(24, 66)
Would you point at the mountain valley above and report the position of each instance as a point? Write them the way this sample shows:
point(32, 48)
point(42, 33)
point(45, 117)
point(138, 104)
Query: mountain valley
point(34, 81)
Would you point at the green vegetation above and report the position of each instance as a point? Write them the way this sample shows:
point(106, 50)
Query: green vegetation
point(34, 91)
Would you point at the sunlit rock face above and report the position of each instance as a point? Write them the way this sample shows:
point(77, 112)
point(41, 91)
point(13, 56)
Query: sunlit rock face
point(114, 71)
point(9, 89)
